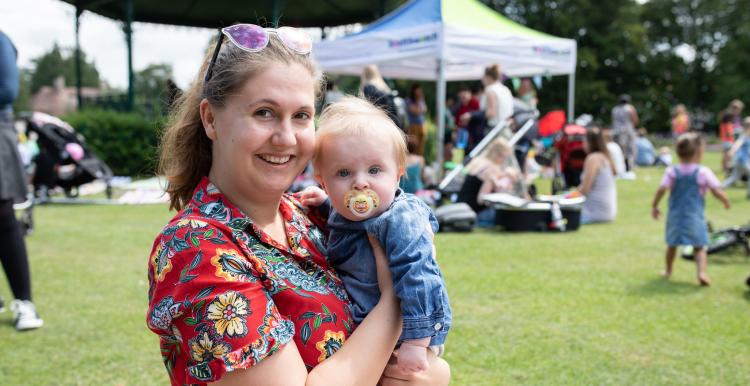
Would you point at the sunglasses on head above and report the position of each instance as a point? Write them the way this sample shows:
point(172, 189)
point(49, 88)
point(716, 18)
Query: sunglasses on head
point(253, 38)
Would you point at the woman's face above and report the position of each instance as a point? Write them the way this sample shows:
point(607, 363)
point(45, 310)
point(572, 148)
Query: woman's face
point(264, 134)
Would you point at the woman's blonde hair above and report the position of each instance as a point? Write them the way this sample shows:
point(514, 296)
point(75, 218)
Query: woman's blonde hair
point(352, 116)
point(499, 148)
point(493, 72)
point(186, 152)
point(371, 75)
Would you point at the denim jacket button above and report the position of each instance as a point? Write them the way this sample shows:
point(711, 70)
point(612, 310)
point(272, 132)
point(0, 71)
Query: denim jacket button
point(438, 326)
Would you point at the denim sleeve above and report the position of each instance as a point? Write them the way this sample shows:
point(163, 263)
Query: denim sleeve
point(8, 72)
point(406, 234)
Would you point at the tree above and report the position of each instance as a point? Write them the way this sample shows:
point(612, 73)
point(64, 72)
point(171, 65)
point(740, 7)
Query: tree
point(611, 48)
point(154, 88)
point(55, 63)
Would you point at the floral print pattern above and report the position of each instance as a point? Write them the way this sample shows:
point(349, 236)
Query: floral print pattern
point(224, 295)
point(228, 312)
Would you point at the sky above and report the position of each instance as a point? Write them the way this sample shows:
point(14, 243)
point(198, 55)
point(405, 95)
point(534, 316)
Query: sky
point(35, 26)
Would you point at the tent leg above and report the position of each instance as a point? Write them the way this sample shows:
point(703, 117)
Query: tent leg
point(571, 96)
point(440, 108)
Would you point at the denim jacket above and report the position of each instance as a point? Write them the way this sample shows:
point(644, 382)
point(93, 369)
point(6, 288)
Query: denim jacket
point(405, 231)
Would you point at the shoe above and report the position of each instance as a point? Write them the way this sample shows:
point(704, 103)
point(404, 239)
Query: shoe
point(25, 316)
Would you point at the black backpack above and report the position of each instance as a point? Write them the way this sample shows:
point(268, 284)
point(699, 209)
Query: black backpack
point(386, 101)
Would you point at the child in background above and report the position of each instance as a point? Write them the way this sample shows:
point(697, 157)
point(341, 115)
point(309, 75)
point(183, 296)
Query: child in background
point(359, 156)
point(665, 157)
point(688, 183)
point(740, 155)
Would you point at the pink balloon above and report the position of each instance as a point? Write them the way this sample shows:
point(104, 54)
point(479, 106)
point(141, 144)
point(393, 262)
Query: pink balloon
point(75, 150)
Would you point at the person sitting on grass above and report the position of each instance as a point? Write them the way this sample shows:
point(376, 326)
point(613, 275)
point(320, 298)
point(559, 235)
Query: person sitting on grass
point(688, 183)
point(598, 180)
point(485, 174)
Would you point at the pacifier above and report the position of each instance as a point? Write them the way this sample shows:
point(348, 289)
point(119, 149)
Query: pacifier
point(361, 202)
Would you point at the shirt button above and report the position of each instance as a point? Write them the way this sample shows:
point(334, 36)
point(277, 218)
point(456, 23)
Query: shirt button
point(438, 326)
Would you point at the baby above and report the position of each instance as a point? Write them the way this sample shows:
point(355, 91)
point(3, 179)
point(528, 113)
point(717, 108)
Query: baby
point(359, 157)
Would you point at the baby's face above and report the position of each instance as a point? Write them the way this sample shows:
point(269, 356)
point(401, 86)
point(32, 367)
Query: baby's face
point(360, 174)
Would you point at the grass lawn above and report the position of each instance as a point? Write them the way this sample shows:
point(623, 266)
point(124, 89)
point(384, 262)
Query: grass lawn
point(585, 307)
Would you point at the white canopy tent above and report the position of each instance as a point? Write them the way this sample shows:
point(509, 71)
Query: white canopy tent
point(449, 40)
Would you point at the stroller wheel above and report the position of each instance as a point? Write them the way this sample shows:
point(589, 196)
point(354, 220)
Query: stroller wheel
point(71, 192)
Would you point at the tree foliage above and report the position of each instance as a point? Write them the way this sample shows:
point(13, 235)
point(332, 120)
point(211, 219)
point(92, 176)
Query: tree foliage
point(57, 63)
point(661, 52)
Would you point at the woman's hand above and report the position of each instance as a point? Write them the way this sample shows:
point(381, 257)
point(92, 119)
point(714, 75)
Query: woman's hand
point(438, 374)
point(385, 279)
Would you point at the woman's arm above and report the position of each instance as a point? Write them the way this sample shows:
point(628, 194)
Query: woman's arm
point(361, 359)
point(633, 115)
point(490, 109)
point(590, 167)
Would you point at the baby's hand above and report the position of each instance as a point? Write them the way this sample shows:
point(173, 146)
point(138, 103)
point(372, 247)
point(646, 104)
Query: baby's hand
point(411, 358)
point(312, 196)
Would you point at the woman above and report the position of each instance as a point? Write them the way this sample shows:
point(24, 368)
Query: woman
point(498, 106)
point(680, 120)
point(413, 179)
point(373, 87)
point(240, 291)
point(624, 121)
point(487, 174)
point(416, 109)
point(13, 254)
point(598, 181)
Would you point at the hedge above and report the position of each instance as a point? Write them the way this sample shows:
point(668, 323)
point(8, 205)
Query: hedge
point(127, 142)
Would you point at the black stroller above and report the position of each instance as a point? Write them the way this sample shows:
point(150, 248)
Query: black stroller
point(63, 160)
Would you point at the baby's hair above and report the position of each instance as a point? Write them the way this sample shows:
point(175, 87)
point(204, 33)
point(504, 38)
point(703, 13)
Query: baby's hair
point(352, 116)
point(687, 145)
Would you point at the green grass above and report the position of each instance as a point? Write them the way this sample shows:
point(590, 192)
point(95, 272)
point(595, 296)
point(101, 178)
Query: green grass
point(585, 307)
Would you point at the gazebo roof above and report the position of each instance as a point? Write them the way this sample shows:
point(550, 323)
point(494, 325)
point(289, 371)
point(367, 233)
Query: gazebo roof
point(218, 13)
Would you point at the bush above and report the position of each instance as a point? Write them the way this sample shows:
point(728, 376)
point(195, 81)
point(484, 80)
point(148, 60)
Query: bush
point(127, 142)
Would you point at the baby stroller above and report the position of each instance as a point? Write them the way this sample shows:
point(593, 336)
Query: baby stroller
point(63, 160)
point(564, 150)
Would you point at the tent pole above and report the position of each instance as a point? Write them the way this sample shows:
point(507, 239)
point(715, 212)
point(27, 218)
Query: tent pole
point(440, 108)
point(571, 96)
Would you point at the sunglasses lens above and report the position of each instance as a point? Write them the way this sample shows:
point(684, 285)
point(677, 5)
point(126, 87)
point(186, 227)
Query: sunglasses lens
point(249, 37)
point(297, 40)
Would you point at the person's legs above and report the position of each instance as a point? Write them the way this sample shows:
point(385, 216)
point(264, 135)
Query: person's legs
point(733, 177)
point(701, 260)
point(486, 218)
point(746, 172)
point(671, 252)
point(16, 265)
point(13, 253)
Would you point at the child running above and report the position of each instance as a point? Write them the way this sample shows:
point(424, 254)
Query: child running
point(359, 157)
point(740, 155)
point(688, 183)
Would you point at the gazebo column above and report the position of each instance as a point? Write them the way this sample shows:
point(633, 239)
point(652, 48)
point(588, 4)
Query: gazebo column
point(128, 29)
point(79, 82)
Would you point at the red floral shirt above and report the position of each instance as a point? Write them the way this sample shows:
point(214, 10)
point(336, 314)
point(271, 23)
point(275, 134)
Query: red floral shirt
point(223, 295)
